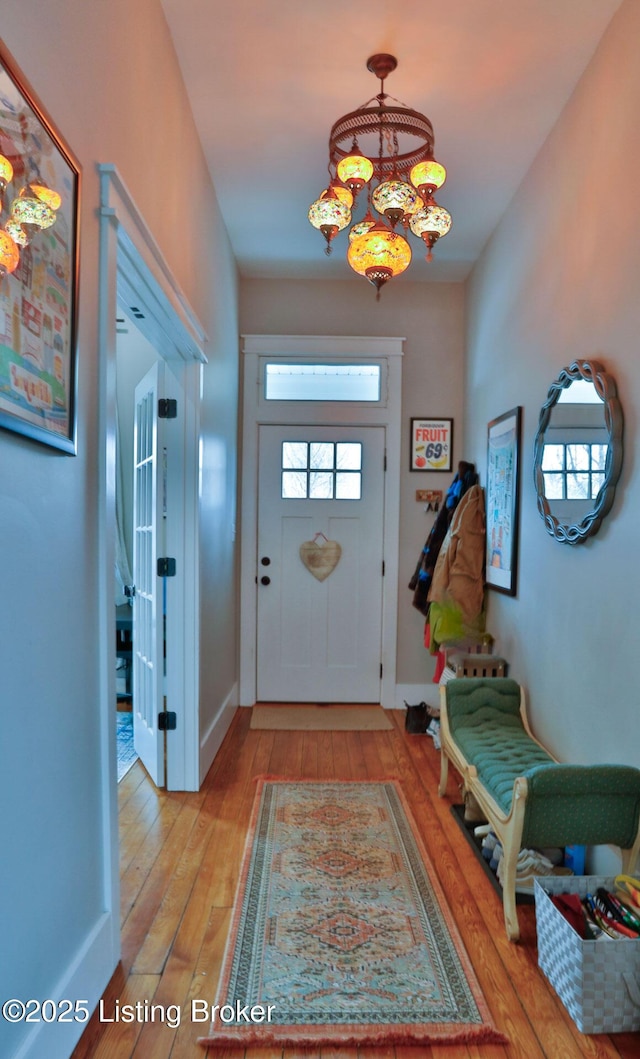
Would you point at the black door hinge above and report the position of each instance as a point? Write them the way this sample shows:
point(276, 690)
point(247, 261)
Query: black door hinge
point(167, 408)
point(383, 567)
point(166, 567)
point(381, 669)
point(167, 721)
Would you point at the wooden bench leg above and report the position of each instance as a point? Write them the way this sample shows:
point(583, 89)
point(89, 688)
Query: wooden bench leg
point(630, 857)
point(444, 773)
point(509, 867)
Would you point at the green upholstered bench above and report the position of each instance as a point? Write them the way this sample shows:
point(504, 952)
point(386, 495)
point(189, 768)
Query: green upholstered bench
point(529, 798)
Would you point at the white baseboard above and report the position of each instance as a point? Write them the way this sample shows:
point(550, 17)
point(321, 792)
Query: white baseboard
point(212, 740)
point(84, 979)
point(415, 693)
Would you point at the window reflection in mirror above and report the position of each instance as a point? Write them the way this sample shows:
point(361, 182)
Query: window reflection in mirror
point(575, 451)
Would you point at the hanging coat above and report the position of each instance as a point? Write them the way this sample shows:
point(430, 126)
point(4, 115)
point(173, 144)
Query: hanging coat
point(420, 583)
point(458, 578)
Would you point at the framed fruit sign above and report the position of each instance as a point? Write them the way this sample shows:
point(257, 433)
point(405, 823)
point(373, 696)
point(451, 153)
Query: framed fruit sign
point(431, 444)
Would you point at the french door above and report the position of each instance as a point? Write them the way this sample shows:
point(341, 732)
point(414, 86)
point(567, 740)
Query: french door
point(148, 610)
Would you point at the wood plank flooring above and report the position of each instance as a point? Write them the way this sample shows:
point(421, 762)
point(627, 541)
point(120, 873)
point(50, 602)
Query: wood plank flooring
point(180, 858)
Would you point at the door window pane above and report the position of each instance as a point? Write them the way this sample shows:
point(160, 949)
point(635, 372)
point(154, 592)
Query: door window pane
point(294, 453)
point(349, 456)
point(578, 457)
point(597, 481)
point(577, 486)
point(321, 485)
point(321, 455)
point(553, 458)
point(348, 485)
point(294, 485)
point(553, 486)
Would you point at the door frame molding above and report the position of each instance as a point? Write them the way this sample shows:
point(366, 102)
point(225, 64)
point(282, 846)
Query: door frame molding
point(131, 266)
point(257, 411)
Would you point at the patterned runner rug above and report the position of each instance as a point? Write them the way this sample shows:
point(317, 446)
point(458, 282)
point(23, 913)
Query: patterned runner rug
point(126, 753)
point(340, 931)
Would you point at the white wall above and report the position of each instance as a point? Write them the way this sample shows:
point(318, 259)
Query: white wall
point(431, 318)
point(111, 83)
point(558, 282)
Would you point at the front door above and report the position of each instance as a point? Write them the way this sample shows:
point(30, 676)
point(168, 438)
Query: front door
point(320, 563)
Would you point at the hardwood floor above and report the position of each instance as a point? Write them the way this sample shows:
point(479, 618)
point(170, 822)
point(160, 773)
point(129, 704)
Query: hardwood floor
point(180, 857)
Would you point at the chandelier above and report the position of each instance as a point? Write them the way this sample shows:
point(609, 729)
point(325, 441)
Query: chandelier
point(389, 145)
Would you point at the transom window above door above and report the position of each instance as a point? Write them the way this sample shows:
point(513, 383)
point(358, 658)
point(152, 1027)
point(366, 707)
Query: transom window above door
point(322, 382)
point(321, 470)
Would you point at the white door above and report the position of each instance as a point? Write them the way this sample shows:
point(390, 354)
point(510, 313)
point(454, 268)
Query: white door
point(148, 617)
point(319, 624)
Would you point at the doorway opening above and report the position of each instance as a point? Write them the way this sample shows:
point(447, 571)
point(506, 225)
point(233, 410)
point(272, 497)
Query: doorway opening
point(320, 502)
point(134, 277)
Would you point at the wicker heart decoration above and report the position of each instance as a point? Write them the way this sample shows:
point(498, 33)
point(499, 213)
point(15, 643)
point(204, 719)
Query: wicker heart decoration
point(320, 559)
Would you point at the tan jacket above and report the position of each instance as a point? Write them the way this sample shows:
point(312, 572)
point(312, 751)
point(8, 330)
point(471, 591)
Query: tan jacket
point(458, 578)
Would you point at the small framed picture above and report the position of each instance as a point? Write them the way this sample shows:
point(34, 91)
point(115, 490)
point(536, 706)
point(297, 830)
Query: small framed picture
point(431, 444)
point(503, 501)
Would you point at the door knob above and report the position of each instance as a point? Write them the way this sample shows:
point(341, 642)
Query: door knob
point(266, 561)
point(265, 580)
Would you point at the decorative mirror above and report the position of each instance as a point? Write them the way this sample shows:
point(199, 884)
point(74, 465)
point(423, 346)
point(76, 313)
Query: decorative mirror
point(578, 451)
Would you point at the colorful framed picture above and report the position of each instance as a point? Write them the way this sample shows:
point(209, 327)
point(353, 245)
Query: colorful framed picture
point(39, 220)
point(431, 444)
point(503, 500)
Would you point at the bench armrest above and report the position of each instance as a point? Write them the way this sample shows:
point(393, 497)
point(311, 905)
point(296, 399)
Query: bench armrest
point(587, 804)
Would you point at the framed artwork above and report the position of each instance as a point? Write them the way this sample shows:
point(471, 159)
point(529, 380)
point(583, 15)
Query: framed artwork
point(431, 444)
point(502, 500)
point(39, 220)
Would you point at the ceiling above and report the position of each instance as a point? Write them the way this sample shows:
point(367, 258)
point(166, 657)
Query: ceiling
point(267, 80)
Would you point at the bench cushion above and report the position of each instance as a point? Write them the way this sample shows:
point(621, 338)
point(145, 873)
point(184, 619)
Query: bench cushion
point(500, 752)
point(486, 724)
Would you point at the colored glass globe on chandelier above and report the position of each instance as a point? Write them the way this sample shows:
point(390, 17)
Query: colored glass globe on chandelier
point(42, 191)
point(31, 212)
point(379, 254)
point(340, 191)
point(394, 199)
point(360, 227)
point(329, 215)
point(427, 177)
point(430, 223)
point(6, 175)
point(17, 232)
point(386, 147)
point(9, 254)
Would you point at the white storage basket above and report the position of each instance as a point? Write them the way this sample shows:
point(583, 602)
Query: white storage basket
point(597, 981)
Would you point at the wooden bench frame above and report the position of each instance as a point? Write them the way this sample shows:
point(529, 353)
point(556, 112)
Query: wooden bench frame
point(508, 827)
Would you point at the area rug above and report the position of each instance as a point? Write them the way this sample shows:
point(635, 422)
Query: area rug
point(126, 753)
point(314, 718)
point(340, 931)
